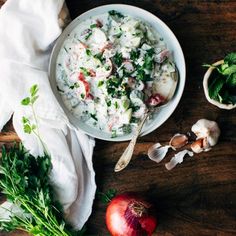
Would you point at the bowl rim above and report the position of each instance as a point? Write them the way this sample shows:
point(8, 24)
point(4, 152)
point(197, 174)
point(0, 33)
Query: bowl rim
point(206, 87)
point(179, 90)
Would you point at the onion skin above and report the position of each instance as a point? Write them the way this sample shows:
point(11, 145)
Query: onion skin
point(129, 215)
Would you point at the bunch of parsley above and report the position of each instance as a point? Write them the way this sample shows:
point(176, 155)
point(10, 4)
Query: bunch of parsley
point(222, 86)
point(24, 179)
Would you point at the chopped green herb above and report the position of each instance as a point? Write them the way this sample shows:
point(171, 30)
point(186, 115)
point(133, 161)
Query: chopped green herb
point(134, 54)
point(116, 13)
point(93, 116)
point(116, 105)
point(100, 83)
point(125, 104)
point(88, 35)
point(113, 134)
point(134, 120)
point(93, 26)
point(118, 59)
point(84, 71)
point(119, 35)
point(126, 128)
point(148, 62)
point(107, 67)
point(108, 103)
point(82, 95)
point(135, 108)
point(88, 52)
point(99, 56)
point(151, 52)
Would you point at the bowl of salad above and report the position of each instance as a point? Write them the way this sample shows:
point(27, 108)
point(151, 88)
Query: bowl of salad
point(219, 82)
point(112, 64)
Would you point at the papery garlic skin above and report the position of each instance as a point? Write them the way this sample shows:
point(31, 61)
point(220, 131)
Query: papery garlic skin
point(157, 152)
point(208, 132)
point(177, 159)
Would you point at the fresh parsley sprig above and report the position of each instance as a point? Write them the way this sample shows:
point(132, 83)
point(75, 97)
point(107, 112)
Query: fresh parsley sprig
point(28, 126)
point(24, 179)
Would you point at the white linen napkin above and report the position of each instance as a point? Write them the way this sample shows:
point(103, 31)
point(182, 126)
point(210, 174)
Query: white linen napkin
point(28, 30)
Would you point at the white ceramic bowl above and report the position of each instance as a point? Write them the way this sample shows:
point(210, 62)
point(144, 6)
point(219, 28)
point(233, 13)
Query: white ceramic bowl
point(172, 44)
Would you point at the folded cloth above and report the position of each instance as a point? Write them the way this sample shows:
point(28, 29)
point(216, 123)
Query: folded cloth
point(28, 30)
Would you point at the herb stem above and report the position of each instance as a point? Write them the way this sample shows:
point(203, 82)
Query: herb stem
point(37, 128)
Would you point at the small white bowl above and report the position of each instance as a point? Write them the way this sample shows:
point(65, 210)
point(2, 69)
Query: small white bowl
point(205, 86)
point(172, 44)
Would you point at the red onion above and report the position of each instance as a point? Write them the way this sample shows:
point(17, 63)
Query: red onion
point(129, 215)
point(155, 100)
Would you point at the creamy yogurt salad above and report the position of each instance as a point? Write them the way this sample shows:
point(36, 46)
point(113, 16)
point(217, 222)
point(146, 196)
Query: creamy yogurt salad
point(111, 69)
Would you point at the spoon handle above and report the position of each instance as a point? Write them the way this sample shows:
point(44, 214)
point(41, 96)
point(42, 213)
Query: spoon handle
point(128, 153)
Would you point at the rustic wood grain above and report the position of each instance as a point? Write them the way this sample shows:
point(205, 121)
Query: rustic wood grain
point(198, 197)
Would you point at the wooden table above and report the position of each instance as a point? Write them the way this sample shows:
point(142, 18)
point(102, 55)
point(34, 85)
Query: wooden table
point(198, 197)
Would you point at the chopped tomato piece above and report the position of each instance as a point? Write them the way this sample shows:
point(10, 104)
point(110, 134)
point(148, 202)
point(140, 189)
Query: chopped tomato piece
point(85, 84)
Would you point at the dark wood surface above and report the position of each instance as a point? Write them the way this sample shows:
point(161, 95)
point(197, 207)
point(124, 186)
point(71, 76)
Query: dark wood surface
point(198, 197)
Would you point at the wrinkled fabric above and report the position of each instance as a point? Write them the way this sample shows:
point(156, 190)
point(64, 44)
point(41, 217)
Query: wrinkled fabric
point(28, 30)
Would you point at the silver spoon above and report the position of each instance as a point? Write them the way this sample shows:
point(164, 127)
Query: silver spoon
point(128, 153)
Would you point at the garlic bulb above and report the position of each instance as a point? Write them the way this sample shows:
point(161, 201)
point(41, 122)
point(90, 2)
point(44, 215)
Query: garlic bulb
point(207, 133)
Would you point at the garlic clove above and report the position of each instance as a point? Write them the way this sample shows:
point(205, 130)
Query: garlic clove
point(157, 153)
point(197, 146)
point(204, 128)
point(178, 158)
point(178, 141)
point(200, 145)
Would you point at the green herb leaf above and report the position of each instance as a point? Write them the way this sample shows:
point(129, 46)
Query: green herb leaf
point(25, 120)
point(27, 128)
point(25, 101)
point(88, 52)
point(84, 71)
point(230, 58)
point(88, 35)
point(118, 59)
point(229, 70)
point(231, 80)
point(93, 116)
point(215, 87)
point(33, 90)
point(33, 99)
point(113, 134)
point(93, 26)
point(134, 54)
point(100, 83)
